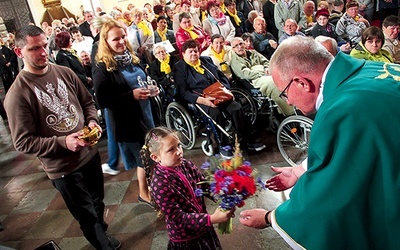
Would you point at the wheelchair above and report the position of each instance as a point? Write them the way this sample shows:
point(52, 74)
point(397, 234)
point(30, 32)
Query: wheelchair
point(254, 103)
point(293, 138)
point(293, 133)
point(190, 120)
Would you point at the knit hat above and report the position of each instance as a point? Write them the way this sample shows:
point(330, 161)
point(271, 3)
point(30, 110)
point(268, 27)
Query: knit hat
point(322, 12)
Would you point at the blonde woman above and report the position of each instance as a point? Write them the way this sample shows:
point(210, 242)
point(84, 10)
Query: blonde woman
point(117, 89)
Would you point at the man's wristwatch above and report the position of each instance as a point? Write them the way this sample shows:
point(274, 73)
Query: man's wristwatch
point(266, 218)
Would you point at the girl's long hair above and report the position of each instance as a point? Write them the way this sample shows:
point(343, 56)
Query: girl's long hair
point(152, 146)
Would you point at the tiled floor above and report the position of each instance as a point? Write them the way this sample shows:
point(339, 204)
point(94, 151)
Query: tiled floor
point(32, 211)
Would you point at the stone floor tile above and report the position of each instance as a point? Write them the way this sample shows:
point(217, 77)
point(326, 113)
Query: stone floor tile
point(114, 192)
point(73, 243)
point(35, 201)
point(54, 223)
point(130, 218)
point(10, 200)
point(57, 202)
point(16, 226)
point(24, 182)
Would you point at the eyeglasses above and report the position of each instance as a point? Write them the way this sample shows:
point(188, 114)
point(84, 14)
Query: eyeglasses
point(283, 94)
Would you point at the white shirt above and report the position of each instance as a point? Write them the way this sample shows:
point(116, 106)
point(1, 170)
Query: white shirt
point(84, 45)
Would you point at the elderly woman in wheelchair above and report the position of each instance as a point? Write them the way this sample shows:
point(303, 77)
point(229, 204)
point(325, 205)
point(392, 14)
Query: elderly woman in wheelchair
point(192, 75)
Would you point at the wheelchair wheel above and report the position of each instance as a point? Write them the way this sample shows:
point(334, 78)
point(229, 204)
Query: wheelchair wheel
point(177, 118)
point(157, 110)
point(293, 138)
point(207, 148)
point(274, 124)
point(247, 102)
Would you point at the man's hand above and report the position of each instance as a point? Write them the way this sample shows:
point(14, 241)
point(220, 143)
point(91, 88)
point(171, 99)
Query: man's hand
point(75, 144)
point(286, 178)
point(254, 218)
point(93, 124)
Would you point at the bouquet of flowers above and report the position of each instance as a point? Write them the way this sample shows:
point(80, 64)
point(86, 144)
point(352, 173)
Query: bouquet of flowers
point(232, 181)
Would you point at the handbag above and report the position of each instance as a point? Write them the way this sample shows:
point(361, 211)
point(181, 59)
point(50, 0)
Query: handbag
point(218, 91)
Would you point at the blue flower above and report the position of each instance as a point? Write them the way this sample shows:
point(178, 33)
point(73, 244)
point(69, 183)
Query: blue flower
point(205, 165)
point(260, 182)
point(241, 173)
point(198, 192)
point(247, 163)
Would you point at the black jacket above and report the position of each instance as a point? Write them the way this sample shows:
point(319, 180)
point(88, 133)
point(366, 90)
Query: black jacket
point(113, 92)
point(84, 28)
point(160, 77)
point(67, 59)
point(6, 56)
point(189, 82)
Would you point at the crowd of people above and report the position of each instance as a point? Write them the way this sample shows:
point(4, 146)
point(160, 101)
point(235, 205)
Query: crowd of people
point(107, 60)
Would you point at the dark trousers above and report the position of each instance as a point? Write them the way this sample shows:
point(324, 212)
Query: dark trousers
point(7, 79)
point(83, 193)
point(239, 121)
point(3, 113)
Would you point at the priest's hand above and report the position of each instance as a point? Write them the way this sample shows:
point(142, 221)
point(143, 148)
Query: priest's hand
point(286, 178)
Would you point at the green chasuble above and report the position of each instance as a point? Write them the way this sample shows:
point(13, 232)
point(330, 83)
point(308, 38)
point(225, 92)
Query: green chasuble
point(349, 198)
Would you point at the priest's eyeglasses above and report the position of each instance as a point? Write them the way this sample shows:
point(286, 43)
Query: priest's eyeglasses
point(283, 94)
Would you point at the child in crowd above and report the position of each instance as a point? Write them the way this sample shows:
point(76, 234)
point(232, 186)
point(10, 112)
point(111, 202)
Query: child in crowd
point(248, 41)
point(172, 188)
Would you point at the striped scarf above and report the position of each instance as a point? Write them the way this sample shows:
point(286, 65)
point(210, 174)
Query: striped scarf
point(124, 59)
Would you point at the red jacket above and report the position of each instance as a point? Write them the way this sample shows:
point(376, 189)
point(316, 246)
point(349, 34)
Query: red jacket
point(182, 35)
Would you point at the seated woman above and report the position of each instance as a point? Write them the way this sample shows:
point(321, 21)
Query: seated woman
point(192, 75)
point(217, 23)
point(370, 46)
point(324, 28)
point(161, 71)
point(189, 31)
point(220, 53)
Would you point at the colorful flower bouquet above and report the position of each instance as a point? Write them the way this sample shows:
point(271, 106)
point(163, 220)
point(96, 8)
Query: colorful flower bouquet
point(232, 181)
